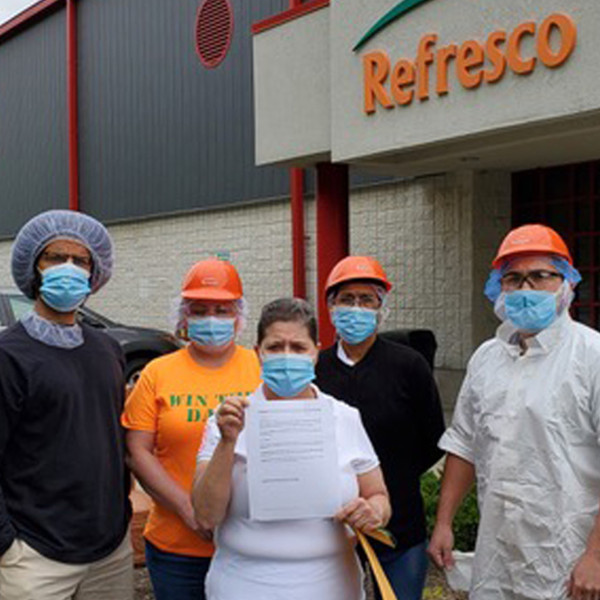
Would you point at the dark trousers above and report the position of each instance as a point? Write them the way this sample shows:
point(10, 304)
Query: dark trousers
point(406, 571)
point(175, 576)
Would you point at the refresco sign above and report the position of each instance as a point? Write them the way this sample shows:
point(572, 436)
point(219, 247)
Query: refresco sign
point(440, 65)
point(416, 87)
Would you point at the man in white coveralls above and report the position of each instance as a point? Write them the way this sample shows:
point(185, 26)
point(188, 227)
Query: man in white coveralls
point(527, 425)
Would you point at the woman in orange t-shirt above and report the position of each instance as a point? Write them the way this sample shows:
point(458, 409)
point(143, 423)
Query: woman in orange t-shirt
point(165, 416)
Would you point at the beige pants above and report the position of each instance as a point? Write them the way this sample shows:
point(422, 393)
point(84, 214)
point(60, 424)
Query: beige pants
point(27, 575)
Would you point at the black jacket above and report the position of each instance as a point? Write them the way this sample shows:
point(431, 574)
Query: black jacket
point(394, 390)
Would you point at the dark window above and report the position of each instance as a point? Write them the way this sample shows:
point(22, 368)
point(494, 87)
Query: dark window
point(567, 198)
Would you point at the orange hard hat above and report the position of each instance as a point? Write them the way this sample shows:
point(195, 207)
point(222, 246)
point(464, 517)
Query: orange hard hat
point(531, 239)
point(354, 268)
point(212, 279)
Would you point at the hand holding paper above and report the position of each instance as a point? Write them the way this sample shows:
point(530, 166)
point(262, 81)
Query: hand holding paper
point(231, 418)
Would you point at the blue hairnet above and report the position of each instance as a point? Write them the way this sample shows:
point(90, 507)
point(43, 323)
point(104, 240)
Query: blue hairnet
point(570, 273)
point(493, 285)
point(37, 233)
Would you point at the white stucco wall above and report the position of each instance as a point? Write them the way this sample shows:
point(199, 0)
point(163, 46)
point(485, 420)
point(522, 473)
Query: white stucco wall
point(293, 111)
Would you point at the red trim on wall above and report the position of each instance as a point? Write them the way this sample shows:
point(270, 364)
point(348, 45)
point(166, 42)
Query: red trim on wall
point(289, 15)
point(333, 241)
point(72, 102)
point(297, 206)
point(29, 14)
point(298, 241)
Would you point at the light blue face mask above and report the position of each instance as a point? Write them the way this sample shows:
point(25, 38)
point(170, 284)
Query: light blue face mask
point(287, 374)
point(65, 287)
point(530, 310)
point(354, 324)
point(211, 331)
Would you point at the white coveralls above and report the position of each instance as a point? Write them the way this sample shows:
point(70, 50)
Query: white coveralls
point(530, 424)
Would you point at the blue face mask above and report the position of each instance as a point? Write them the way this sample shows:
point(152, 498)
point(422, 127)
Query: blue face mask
point(530, 310)
point(65, 287)
point(211, 331)
point(354, 325)
point(287, 374)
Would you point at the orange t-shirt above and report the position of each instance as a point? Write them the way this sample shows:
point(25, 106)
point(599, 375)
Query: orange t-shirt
point(173, 398)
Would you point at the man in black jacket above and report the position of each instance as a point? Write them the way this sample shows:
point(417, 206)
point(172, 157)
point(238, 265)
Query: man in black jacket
point(393, 388)
point(64, 507)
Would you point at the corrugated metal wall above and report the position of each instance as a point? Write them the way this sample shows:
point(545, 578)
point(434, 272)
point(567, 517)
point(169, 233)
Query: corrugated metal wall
point(159, 132)
point(33, 123)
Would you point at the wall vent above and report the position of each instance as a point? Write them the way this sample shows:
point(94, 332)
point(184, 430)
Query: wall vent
point(214, 31)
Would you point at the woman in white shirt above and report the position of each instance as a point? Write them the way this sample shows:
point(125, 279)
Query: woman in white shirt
point(292, 559)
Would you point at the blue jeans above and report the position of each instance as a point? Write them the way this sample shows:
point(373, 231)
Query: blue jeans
point(406, 571)
point(175, 576)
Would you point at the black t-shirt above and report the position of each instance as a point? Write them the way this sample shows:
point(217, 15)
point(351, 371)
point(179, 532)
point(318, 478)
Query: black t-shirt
point(63, 481)
point(394, 390)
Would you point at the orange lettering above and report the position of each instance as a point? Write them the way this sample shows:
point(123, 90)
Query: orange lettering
point(568, 36)
point(515, 60)
point(424, 59)
point(443, 56)
point(387, 85)
point(376, 66)
point(403, 76)
point(496, 56)
point(470, 56)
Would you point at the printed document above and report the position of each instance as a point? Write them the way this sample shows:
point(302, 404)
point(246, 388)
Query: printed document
point(292, 459)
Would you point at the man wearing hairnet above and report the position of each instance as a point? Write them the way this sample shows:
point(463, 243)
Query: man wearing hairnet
point(64, 506)
point(527, 426)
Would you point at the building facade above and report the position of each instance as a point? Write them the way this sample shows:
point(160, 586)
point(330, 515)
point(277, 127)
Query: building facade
point(176, 124)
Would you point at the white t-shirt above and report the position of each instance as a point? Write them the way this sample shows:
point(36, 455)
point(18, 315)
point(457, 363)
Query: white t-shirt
point(303, 558)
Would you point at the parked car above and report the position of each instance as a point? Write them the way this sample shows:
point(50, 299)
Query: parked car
point(140, 344)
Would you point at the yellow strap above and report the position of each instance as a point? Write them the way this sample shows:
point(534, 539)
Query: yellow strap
point(382, 535)
point(387, 593)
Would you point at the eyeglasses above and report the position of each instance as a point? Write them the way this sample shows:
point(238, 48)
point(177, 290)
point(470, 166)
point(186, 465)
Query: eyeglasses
point(213, 310)
point(58, 258)
point(538, 279)
point(362, 300)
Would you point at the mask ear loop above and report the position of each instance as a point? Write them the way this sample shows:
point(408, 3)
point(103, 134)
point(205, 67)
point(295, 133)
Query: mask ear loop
point(243, 313)
point(564, 297)
point(499, 308)
point(567, 291)
point(178, 315)
point(383, 311)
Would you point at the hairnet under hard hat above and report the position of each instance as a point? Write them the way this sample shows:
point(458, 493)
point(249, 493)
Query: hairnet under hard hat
point(37, 233)
point(493, 285)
